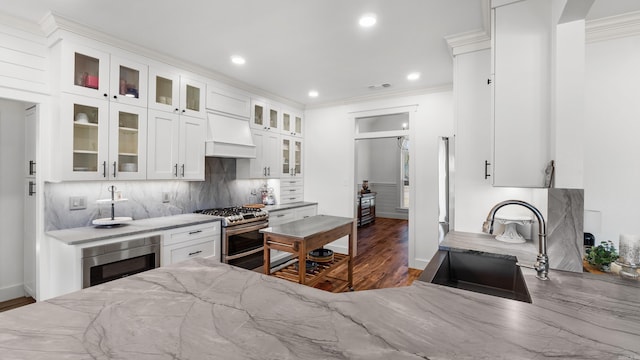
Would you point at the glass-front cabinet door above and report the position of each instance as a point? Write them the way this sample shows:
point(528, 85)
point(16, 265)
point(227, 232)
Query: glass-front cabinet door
point(286, 156)
point(291, 156)
point(85, 71)
point(274, 118)
point(258, 110)
point(164, 90)
point(127, 142)
point(192, 95)
point(129, 82)
point(297, 158)
point(297, 125)
point(84, 138)
point(286, 123)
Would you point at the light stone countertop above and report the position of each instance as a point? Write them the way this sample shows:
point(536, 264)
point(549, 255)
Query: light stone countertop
point(307, 227)
point(81, 235)
point(281, 207)
point(201, 309)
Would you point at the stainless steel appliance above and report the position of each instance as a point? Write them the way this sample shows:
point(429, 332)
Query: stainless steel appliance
point(113, 261)
point(242, 242)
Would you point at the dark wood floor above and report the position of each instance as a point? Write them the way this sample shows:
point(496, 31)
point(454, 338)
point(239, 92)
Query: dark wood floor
point(15, 303)
point(382, 260)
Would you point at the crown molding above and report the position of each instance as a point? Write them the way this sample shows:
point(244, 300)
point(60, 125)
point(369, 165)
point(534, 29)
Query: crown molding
point(468, 42)
point(378, 97)
point(52, 24)
point(613, 27)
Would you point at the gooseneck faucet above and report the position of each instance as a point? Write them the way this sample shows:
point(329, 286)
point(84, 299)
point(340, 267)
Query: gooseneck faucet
point(542, 261)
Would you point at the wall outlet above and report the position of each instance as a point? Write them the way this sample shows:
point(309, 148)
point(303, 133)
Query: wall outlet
point(77, 202)
point(165, 197)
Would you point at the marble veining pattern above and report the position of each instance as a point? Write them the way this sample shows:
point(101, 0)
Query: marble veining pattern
point(565, 236)
point(200, 309)
point(219, 189)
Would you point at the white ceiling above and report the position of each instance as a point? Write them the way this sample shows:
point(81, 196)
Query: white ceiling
point(293, 46)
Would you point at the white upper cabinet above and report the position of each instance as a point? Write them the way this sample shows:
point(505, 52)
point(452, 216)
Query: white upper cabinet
point(170, 92)
point(94, 73)
point(129, 82)
point(127, 142)
point(264, 116)
point(291, 153)
point(84, 138)
point(101, 140)
point(266, 163)
point(192, 96)
point(175, 146)
point(522, 40)
point(291, 123)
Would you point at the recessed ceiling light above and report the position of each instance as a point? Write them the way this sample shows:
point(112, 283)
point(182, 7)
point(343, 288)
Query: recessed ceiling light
point(367, 20)
point(413, 76)
point(313, 93)
point(238, 60)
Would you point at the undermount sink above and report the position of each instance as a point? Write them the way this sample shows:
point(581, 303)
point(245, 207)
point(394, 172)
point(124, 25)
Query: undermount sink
point(483, 273)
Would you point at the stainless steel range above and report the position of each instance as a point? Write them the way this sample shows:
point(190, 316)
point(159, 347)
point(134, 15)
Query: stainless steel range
point(242, 242)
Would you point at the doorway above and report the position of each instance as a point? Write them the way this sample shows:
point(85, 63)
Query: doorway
point(18, 208)
point(382, 162)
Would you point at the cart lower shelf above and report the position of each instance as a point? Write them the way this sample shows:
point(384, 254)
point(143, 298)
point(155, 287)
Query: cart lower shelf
point(312, 277)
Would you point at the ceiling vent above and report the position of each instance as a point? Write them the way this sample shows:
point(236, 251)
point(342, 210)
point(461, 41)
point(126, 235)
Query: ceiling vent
point(379, 86)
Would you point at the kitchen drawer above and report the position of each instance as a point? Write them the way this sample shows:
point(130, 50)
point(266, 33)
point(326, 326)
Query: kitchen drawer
point(186, 250)
point(208, 230)
point(281, 217)
point(288, 191)
point(287, 199)
point(287, 183)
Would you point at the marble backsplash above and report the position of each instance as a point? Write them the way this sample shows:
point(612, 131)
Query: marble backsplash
point(220, 189)
point(565, 234)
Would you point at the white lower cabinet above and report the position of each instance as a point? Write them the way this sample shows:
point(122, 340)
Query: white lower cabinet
point(278, 217)
point(189, 242)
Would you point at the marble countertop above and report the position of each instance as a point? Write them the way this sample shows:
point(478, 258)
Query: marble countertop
point(281, 207)
point(81, 235)
point(201, 309)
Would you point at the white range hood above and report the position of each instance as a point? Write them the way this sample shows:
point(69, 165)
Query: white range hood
point(229, 137)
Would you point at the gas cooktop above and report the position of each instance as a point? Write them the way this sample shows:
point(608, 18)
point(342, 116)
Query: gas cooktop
point(236, 215)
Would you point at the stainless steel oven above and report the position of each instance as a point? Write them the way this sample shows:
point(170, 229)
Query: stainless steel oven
point(243, 245)
point(117, 260)
point(242, 242)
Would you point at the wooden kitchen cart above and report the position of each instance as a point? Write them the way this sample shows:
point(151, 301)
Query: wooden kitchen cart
point(301, 236)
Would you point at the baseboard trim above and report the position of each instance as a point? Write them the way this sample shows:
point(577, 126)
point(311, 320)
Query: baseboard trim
point(12, 292)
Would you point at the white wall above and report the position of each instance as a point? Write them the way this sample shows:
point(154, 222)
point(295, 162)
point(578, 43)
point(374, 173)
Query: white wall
point(12, 196)
point(23, 57)
point(612, 140)
point(329, 170)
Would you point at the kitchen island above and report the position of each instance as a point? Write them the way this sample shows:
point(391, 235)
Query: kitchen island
point(201, 309)
point(301, 236)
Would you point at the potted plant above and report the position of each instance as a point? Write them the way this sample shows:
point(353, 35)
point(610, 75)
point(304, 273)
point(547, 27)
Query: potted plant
point(602, 255)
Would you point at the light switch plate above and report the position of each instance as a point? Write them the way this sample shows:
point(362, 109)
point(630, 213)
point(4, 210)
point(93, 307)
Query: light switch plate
point(77, 202)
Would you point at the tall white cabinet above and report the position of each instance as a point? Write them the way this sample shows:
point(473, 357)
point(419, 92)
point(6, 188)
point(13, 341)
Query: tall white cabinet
point(522, 38)
point(177, 127)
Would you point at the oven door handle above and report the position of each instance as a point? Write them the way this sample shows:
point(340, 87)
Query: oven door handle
point(237, 256)
point(230, 231)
